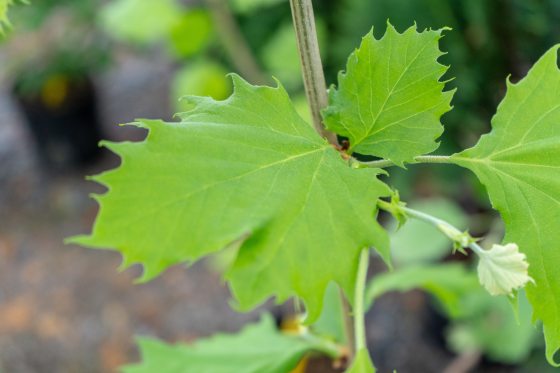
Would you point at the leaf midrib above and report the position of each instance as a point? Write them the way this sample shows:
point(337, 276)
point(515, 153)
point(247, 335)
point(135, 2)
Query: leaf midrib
point(184, 197)
point(387, 98)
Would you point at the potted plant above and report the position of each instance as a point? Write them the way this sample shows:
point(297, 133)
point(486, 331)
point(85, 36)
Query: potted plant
point(50, 73)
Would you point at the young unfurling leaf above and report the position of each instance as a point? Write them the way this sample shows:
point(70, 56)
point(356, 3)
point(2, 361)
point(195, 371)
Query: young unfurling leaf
point(390, 98)
point(503, 269)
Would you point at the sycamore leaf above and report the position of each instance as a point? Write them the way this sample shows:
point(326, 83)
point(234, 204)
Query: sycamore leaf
point(247, 168)
point(257, 348)
point(447, 282)
point(519, 163)
point(390, 99)
point(362, 363)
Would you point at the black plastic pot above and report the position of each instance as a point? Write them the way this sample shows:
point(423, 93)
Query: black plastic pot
point(65, 128)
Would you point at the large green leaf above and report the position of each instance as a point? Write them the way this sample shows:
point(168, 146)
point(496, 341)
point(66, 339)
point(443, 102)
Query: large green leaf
point(247, 168)
point(390, 99)
point(519, 163)
point(447, 282)
point(257, 348)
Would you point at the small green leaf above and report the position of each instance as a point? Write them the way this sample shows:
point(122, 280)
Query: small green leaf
point(447, 282)
point(519, 163)
point(258, 348)
point(390, 99)
point(362, 363)
point(250, 169)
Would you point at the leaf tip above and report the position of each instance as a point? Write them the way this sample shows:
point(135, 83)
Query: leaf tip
point(552, 353)
point(148, 272)
point(76, 240)
point(239, 83)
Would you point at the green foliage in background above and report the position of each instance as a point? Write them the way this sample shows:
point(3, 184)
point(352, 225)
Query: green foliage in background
point(146, 21)
point(248, 6)
point(447, 282)
point(200, 78)
point(4, 5)
point(488, 325)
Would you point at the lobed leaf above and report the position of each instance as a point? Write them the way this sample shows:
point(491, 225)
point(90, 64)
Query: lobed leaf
point(255, 349)
point(245, 169)
point(519, 163)
point(390, 99)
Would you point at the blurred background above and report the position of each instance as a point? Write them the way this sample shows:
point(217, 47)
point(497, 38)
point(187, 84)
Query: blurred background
point(71, 70)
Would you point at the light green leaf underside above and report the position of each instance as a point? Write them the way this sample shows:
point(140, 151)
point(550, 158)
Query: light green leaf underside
point(519, 163)
point(390, 99)
point(258, 348)
point(362, 363)
point(447, 282)
point(247, 168)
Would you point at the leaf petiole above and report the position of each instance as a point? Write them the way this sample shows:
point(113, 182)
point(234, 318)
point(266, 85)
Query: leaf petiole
point(359, 294)
point(382, 163)
point(459, 238)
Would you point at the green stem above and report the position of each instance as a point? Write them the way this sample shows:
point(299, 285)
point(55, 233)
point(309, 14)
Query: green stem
point(359, 310)
point(330, 348)
point(311, 65)
point(316, 92)
point(382, 163)
point(347, 324)
point(448, 229)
